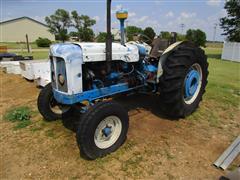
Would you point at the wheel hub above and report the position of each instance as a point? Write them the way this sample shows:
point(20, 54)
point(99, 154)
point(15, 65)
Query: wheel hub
point(192, 83)
point(107, 132)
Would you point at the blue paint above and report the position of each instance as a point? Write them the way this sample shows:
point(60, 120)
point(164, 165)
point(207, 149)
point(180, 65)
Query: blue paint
point(125, 67)
point(142, 50)
point(113, 76)
point(97, 84)
point(122, 31)
point(92, 94)
point(107, 131)
point(150, 68)
point(191, 83)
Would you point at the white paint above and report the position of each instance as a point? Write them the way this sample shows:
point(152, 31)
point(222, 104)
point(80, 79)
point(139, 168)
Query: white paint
point(102, 141)
point(94, 52)
point(231, 51)
point(38, 70)
point(11, 67)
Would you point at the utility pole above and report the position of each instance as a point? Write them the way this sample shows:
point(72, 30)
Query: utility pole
point(182, 27)
point(214, 31)
point(28, 48)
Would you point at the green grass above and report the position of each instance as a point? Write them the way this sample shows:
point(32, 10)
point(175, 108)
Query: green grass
point(21, 49)
point(214, 53)
point(223, 80)
point(21, 115)
point(222, 95)
point(18, 45)
point(18, 114)
point(50, 133)
point(214, 44)
point(14, 45)
point(35, 54)
point(22, 124)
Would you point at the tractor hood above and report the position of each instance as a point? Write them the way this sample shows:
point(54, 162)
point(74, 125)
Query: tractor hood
point(93, 52)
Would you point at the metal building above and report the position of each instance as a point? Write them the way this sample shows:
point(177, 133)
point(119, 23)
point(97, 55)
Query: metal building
point(15, 30)
point(231, 51)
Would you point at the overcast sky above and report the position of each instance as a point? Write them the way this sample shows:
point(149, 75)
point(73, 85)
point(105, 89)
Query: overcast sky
point(161, 15)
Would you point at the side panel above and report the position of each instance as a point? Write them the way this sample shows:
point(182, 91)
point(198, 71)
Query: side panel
point(92, 94)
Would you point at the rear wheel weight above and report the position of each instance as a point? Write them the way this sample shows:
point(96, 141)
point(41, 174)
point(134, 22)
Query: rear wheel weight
point(183, 81)
point(102, 129)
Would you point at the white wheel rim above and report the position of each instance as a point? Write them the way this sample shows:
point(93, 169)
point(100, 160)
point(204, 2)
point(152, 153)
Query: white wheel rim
point(198, 68)
point(57, 108)
point(107, 132)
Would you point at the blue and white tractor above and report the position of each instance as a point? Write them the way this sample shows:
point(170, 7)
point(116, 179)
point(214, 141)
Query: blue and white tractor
point(85, 75)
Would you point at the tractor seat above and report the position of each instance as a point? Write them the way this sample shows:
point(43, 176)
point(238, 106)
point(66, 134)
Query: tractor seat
point(158, 47)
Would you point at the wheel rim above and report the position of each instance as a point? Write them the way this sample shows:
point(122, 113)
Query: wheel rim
point(107, 132)
point(56, 107)
point(192, 83)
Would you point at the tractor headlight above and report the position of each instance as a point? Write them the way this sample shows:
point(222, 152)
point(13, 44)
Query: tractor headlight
point(61, 79)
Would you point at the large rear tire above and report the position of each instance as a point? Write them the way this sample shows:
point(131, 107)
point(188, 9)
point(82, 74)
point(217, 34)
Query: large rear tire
point(49, 108)
point(183, 81)
point(102, 129)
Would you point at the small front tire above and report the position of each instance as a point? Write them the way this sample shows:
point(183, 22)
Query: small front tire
point(102, 129)
point(49, 108)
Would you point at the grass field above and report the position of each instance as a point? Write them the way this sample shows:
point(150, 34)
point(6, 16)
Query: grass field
point(20, 45)
point(36, 54)
point(223, 89)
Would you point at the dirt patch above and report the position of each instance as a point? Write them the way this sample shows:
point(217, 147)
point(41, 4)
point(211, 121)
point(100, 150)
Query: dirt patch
point(156, 148)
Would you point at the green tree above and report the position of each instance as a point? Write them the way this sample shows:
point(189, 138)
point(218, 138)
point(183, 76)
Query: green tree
point(73, 34)
point(102, 37)
point(58, 24)
point(83, 24)
point(198, 37)
point(165, 35)
point(231, 23)
point(132, 31)
point(43, 42)
point(86, 34)
point(148, 35)
point(181, 37)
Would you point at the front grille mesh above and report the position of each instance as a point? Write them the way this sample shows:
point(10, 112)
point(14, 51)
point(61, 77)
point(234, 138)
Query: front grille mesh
point(58, 67)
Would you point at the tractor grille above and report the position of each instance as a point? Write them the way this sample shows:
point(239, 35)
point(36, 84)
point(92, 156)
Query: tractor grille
point(58, 68)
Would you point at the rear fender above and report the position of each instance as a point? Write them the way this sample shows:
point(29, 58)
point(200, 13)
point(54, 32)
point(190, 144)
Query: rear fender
point(164, 56)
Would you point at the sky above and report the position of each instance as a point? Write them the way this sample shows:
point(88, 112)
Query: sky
point(161, 15)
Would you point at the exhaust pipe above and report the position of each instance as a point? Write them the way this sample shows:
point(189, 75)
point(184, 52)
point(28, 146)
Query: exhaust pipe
point(109, 38)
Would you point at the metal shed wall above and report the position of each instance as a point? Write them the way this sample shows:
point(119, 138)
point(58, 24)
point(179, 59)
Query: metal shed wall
point(231, 51)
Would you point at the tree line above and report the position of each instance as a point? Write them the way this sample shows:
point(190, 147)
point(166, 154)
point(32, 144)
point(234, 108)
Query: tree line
point(60, 22)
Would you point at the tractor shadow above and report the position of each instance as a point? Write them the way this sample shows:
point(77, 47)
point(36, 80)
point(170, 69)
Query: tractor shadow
point(144, 101)
point(130, 102)
point(71, 120)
